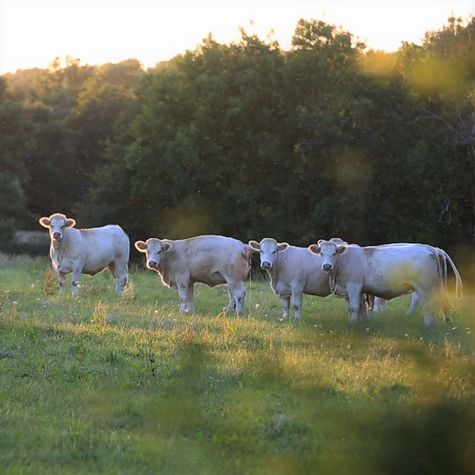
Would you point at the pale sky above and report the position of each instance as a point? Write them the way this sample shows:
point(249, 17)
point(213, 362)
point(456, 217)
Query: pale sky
point(34, 32)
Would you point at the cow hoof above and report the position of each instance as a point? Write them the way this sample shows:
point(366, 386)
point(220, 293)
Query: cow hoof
point(428, 322)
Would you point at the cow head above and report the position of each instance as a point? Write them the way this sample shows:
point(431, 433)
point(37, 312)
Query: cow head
point(268, 249)
point(153, 249)
point(56, 224)
point(329, 252)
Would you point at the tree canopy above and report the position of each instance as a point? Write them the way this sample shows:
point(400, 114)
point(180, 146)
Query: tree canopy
point(249, 140)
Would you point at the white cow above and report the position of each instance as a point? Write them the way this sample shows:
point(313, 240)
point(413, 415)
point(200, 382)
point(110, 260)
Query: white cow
point(378, 304)
point(211, 260)
point(386, 271)
point(86, 251)
point(293, 272)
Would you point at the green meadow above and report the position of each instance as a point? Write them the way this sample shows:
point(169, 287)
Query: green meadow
point(99, 384)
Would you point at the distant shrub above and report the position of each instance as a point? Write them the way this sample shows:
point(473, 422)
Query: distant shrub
point(33, 243)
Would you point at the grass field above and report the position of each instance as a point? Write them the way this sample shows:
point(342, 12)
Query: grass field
point(97, 384)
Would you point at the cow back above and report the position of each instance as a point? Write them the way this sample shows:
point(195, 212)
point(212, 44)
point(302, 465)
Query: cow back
point(209, 259)
point(103, 246)
point(296, 265)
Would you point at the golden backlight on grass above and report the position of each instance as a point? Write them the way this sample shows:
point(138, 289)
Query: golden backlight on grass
point(97, 386)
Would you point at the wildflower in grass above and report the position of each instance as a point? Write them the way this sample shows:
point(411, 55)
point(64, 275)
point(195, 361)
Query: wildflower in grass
point(50, 285)
point(99, 316)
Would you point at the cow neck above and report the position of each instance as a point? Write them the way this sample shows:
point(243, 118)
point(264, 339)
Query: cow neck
point(163, 266)
point(332, 278)
point(58, 246)
point(165, 271)
point(273, 274)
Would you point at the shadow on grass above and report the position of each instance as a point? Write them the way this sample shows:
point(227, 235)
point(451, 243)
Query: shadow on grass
point(439, 439)
point(180, 409)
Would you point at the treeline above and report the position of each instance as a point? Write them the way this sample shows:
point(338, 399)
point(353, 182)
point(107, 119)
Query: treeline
point(248, 140)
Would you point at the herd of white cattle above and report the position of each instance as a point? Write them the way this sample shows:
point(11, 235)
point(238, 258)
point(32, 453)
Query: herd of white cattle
point(361, 275)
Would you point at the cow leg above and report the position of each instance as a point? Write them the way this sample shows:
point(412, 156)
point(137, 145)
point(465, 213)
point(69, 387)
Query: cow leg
point(363, 309)
point(428, 319)
point(429, 308)
point(297, 294)
point(112, 270)
point(355, 301)
point(75, 281)
point(415, 301)
point(429, 311)
point(61, 278)
point(189, 298)
point(285, 301)
point(348, 308)
point(185, 293)
point(120, 276)
point(231, 308)
point(378, 305)
point(120, 283)
point(182, 296)
point(240, 297)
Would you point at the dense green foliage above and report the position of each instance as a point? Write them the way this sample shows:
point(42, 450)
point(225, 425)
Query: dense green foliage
point(249, 140)
point(97, 384)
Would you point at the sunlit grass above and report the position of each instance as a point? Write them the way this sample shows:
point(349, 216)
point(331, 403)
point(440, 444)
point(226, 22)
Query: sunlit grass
point(96, 384)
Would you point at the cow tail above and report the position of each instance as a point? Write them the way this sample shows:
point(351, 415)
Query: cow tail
point(442, 274)
point(442, 264)
point(247, 253)
point(458, 278)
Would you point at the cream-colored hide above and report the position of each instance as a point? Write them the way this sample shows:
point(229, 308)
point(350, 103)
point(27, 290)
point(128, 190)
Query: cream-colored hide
point(211, 260)
point(86, 251)
point(387, 271)
point(293, 271)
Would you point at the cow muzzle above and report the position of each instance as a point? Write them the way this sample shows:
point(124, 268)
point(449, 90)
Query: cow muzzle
point(327, 267)
point(57, 236)
point(266, 265)
point(152, 264)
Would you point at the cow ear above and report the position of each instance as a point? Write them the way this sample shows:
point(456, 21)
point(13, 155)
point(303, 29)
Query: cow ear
point(282, 246)
point(341, 249)
point(45, 222)
point(166, 246)
point(140, 246)
point(70, 222)
point(314, 248)
point(254, 245)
